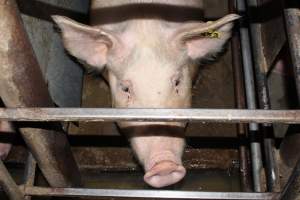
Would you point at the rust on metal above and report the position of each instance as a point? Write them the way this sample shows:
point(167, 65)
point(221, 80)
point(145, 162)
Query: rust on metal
point(22, 85)
point(122, 159)
point(99, 159)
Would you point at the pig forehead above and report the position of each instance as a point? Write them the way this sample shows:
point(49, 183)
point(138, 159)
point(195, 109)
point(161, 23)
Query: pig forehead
point(146, 61)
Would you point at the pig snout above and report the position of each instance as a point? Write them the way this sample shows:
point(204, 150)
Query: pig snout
point(159, 149)
point(166, 170)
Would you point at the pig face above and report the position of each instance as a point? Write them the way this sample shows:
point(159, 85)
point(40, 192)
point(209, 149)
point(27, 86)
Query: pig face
point(150, 64)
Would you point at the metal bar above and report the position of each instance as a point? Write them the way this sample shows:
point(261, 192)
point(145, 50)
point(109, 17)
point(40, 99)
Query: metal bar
point(291, 189)
point(119, 114)
point(22, 85)
point(272, 171)
point(239, 88)
point(165, 194)
point(250, 95)
point(29, 174)
point(292, 19)
point(289, 148)
point(9, 185)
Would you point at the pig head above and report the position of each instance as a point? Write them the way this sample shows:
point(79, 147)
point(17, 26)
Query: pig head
point(151, 63)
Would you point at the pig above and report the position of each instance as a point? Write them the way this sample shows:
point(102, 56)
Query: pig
point(151, 50)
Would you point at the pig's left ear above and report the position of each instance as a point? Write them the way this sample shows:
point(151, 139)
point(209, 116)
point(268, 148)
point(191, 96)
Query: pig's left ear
point(205, 40)
point(87, 43)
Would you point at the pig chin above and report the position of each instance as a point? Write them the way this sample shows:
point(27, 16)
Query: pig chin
point(159, 148)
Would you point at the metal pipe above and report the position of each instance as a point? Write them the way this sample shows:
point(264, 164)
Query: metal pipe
point(239, 88)
point(22, 85)
point(272, 171)
point(119, 114)
point(165, 194)
point(9, 185)
point(292, 21)
point(291, 189)
point(29, 175)
point(250, 96)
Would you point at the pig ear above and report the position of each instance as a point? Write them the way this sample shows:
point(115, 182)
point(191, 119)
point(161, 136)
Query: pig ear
point(206, 40)
point(87, 43)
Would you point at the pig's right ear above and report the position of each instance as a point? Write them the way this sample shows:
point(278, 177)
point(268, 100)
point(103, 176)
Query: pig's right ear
point(87, 43)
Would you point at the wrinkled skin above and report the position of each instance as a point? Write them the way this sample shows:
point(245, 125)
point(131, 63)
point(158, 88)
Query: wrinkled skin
point(151, 54)
point(5, 128)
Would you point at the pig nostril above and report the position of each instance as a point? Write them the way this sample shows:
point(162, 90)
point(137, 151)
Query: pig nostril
point(177, 82)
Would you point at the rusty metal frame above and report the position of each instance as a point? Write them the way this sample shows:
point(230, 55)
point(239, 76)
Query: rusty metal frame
point(186, 115)
point(119, 114)
point(164, 194)
point(22, 85)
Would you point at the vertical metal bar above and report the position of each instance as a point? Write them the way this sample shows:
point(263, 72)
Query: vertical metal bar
point(29, 175)
point(256, 156)
point(9, 185)
point(272, 171)
point(245, 175)
point(292, 19)
point(289, 149)
point(22, 85)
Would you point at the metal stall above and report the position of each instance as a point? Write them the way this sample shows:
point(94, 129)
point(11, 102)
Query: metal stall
point(253, 53)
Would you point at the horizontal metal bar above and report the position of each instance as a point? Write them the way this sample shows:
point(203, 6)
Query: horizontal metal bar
point(114, 114)
point(164, 194)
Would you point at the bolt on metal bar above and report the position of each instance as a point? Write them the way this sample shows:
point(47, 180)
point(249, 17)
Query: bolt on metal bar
point(119, 114)
point(9, 185)
point(164, 194)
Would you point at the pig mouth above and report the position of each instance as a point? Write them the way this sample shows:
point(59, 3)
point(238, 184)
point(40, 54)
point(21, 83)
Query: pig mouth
point(163, 169)
point(164, 173)
point(159, 149)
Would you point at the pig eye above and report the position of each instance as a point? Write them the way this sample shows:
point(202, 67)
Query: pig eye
point(125, 86)
point(125, 89)
point(176, 80)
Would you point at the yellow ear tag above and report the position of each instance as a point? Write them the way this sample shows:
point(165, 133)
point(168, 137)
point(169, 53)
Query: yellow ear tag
point(211, 34)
